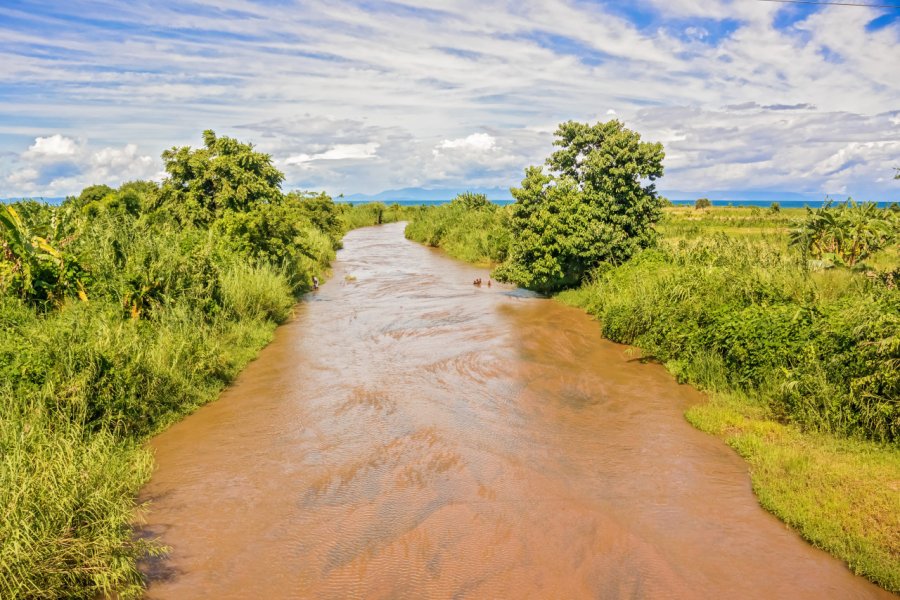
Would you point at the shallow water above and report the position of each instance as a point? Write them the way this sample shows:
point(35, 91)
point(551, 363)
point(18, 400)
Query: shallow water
point(409, 435)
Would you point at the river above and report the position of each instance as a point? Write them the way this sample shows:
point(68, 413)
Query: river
point(410, 435)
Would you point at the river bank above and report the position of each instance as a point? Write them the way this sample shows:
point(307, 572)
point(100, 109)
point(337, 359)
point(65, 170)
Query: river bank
point(150, 320)
point(412, 435)
point(725, 307)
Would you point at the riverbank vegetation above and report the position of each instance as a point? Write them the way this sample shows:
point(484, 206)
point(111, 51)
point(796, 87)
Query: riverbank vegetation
point(789, 318)
point(120, 311)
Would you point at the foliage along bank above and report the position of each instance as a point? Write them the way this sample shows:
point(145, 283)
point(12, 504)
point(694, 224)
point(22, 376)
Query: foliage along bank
point(818, 337)
point(120, 311)
point(796, 330)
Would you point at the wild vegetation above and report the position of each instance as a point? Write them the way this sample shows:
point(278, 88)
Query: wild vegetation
point(120, 311)
point(597, 205)
point(469, 228)
point(788, 318)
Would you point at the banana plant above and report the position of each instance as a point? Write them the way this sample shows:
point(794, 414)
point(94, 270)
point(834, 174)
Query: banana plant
point(849, 232)
point(33, 268)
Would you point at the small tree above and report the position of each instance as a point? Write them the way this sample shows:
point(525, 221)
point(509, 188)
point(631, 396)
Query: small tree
point(598, 204)
point(321, 211)
point(774, 208)
point(702, 203)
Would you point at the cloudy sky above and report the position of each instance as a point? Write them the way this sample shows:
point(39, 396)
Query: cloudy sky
point(366, 96)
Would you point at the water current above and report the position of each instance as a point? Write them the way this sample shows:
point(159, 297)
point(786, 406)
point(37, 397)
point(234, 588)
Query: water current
point(410, 435)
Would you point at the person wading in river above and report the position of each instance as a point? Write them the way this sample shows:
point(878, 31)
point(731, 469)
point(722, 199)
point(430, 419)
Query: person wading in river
point(315, 282)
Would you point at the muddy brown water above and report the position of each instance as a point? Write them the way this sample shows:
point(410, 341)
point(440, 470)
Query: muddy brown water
point(409, 435)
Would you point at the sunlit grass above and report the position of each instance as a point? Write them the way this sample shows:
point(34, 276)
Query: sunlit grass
point(842, 495)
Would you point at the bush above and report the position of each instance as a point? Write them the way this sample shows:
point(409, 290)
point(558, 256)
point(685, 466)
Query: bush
point(824, 359)
point(469, 228)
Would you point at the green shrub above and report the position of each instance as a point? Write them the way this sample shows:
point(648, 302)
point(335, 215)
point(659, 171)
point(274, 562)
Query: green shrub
point(469, 228)
point(825, 358)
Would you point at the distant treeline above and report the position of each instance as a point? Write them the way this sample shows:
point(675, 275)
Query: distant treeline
point(120, 311)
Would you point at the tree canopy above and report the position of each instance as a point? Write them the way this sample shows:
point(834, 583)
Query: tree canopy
point(224, 174)
point(597, 204)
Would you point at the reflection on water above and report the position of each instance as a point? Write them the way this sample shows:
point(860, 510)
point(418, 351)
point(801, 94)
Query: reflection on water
point(412, 436)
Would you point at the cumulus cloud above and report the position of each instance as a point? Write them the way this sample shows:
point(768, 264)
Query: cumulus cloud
point(22, 177)
point(477, 158)
point(52, 147)
point(59, 165)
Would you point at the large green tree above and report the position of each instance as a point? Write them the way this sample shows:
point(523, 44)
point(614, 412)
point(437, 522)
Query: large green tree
point(597, 204)
point(223, 175)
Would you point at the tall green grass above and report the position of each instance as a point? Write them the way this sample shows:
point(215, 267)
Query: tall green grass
point(77, 399)
point(173, 314)
point(825, 357)
point(249, 292)
point(66, 506)
point(478, 235)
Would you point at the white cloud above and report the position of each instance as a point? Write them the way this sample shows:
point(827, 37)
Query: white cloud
point(478, 142)
point(365, 96)
point(475, 159)
point(22, 177)
point(338, 152)
point(794, 150)
point(52, 147)
point(121, 164)
point(59, 165)
point(698, 33)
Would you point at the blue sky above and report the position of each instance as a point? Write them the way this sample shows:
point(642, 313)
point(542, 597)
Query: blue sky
point(366, 96)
